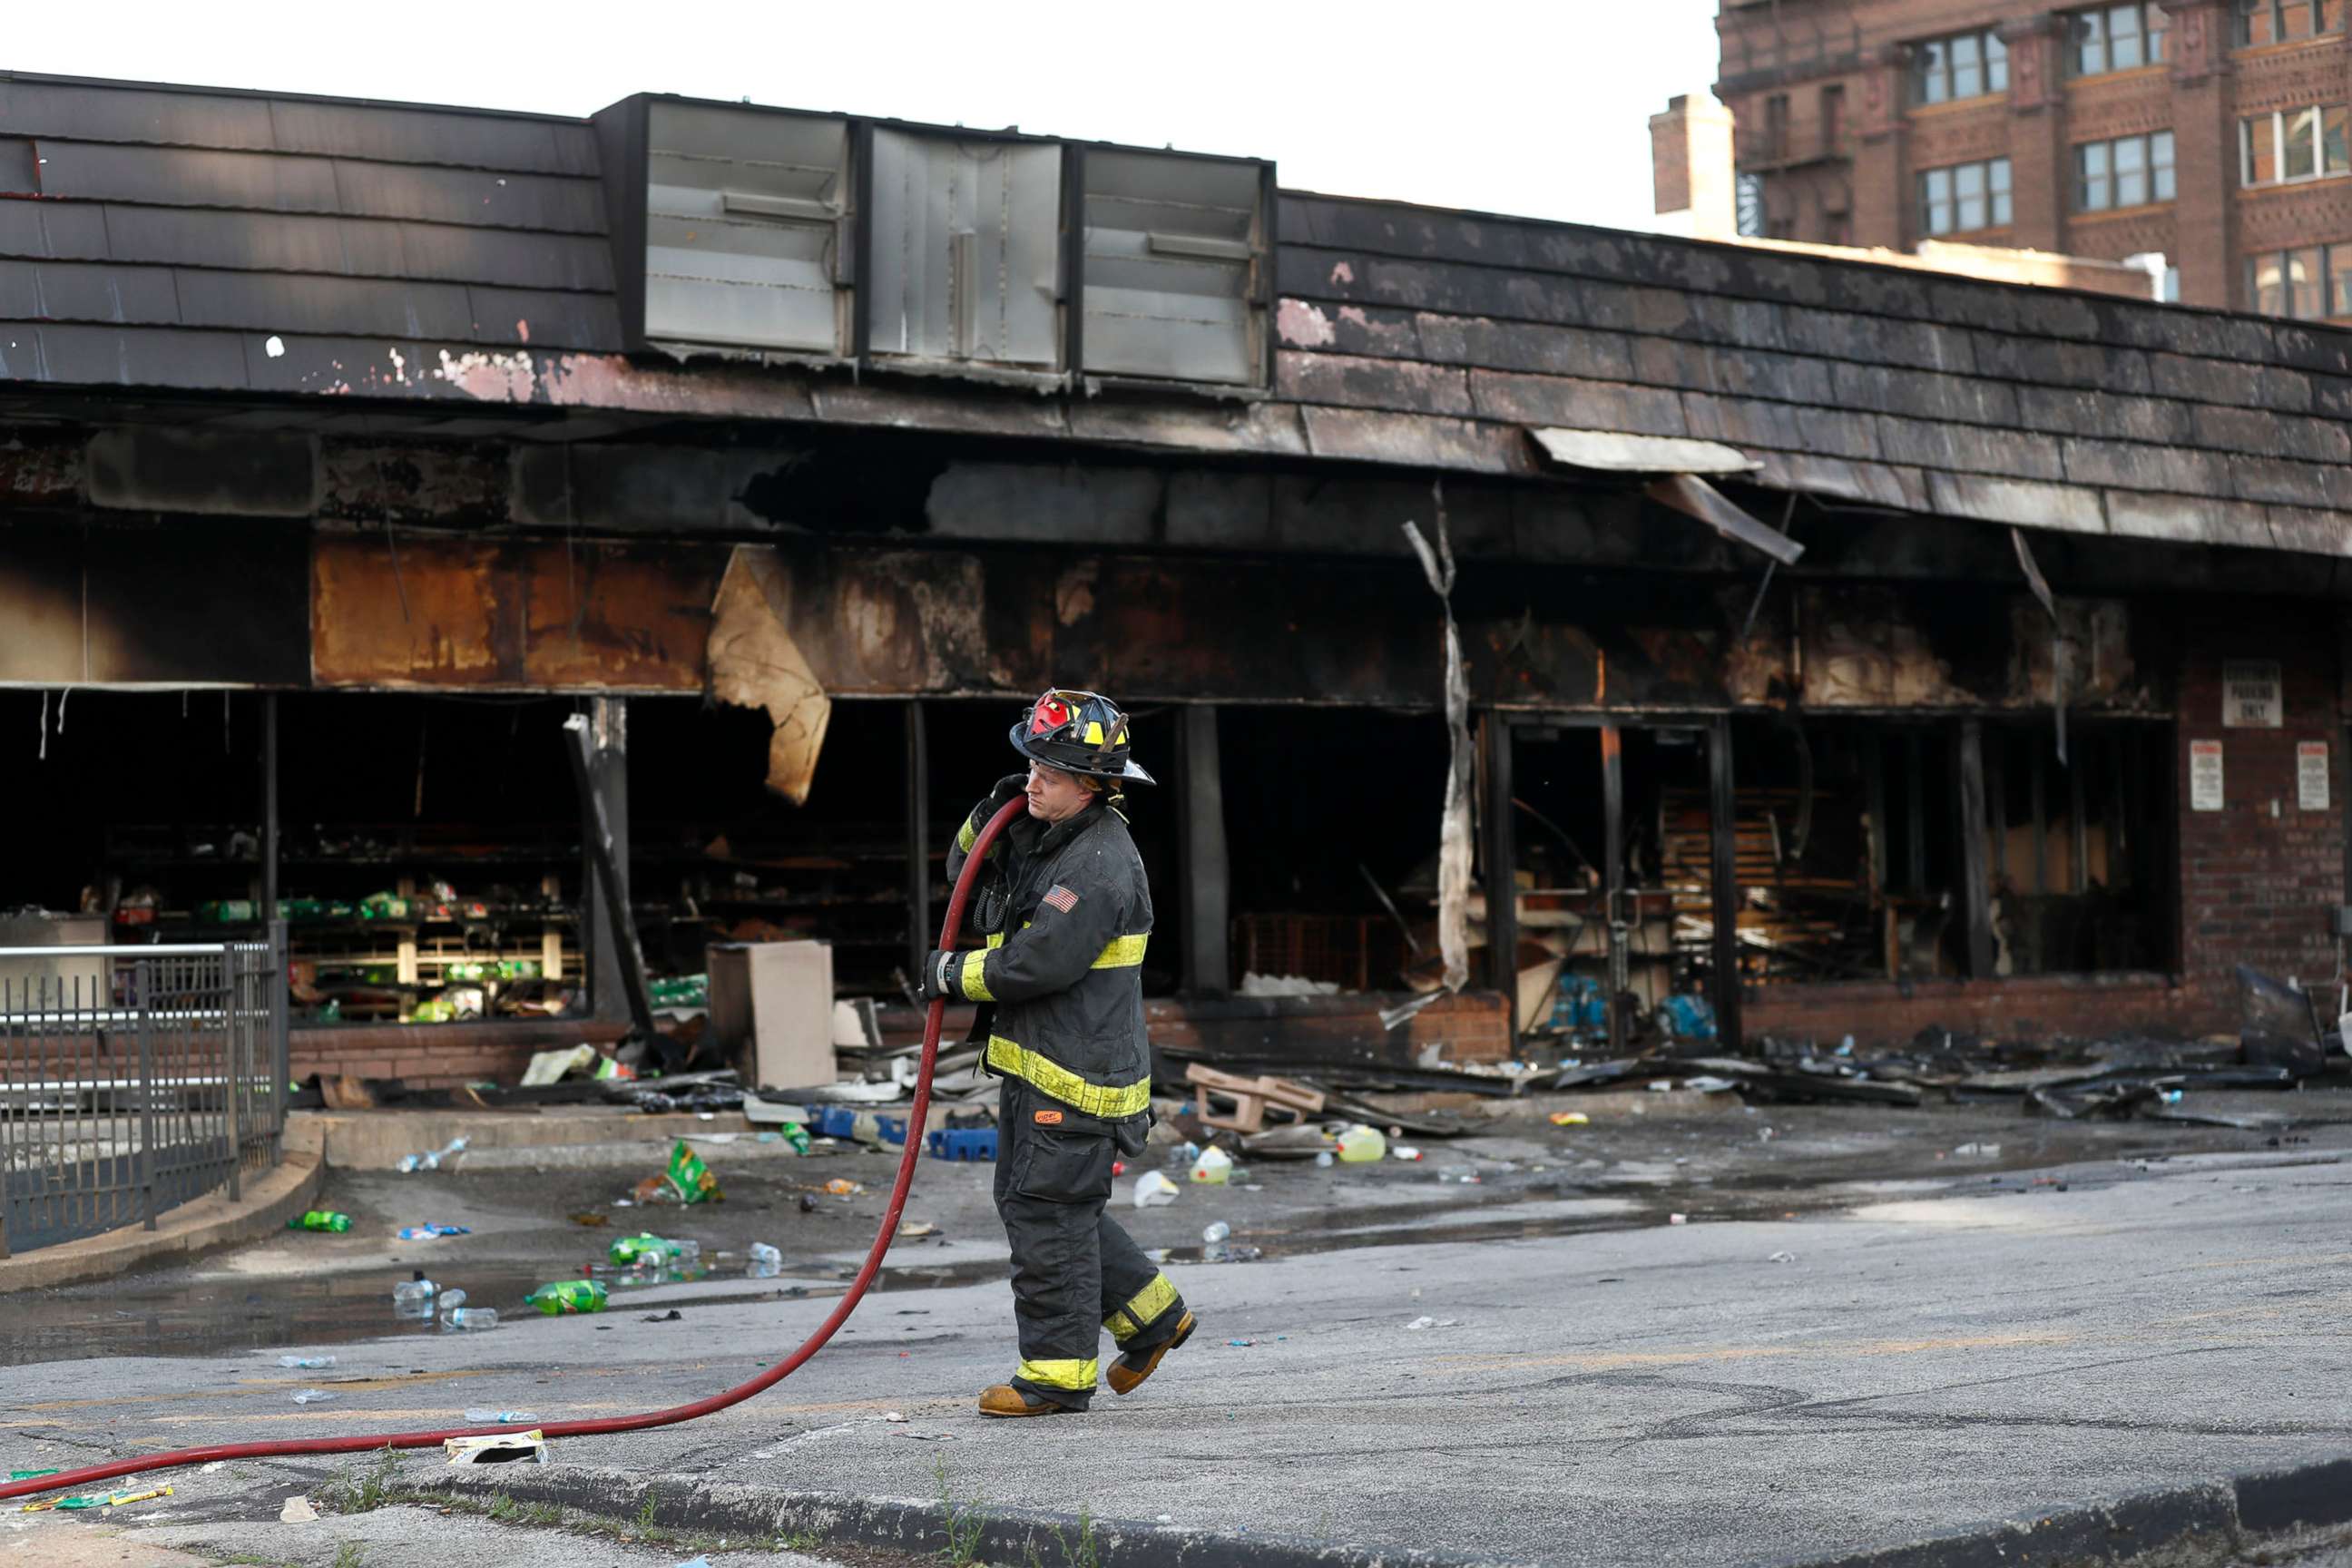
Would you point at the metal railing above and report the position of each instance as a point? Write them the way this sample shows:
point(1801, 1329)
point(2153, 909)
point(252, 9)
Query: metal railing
point(135, 1079)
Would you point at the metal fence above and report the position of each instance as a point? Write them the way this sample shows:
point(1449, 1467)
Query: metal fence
point(135, 1079)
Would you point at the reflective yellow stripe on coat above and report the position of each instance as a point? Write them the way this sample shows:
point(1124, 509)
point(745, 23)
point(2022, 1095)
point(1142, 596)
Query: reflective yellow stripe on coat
point(1076, 1376)
point(1051, 1078)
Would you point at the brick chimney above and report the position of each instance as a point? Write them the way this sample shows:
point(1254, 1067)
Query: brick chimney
point(1691, 166)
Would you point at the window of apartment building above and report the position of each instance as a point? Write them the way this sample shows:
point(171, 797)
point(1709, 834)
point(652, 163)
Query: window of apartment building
point(1832, 118)
point(2295, 144)
point(2310, 283)
point(2127, 171)
point(1965, 65)
point(1776, 127)
point(2278, 21)
point(1964, 197)
point(2115, 38)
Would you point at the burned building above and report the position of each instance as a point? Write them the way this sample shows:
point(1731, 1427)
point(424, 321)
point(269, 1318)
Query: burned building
point(1854, 648)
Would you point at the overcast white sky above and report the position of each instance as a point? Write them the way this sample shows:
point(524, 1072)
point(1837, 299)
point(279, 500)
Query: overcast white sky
point(1536, 108)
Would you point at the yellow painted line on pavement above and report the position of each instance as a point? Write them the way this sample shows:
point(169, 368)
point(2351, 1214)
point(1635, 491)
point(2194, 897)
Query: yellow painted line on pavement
point(1604, 1361)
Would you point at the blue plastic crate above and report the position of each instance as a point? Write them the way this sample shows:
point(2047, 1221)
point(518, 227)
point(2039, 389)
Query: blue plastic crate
point(834, 1120)
point(894, 1127)
point(963, 1143)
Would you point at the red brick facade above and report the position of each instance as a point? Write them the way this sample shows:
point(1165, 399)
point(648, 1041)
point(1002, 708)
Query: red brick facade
point(1839, 155)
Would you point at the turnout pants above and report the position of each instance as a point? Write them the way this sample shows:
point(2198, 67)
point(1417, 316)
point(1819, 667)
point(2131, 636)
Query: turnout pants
point(1075, 1271)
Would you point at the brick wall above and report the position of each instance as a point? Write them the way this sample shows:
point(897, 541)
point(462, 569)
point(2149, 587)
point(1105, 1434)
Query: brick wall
point(1887, 1013)
point(2258, 878)
point(436, 1056)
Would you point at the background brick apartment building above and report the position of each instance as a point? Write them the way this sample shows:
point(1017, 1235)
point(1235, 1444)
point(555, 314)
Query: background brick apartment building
point(2212, 132)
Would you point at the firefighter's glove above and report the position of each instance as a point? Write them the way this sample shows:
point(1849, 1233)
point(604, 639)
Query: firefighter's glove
point(1009, 788)
point(941, 977)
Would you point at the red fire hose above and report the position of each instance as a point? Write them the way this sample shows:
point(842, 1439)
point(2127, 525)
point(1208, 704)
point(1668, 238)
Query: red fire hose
point(178, 1458)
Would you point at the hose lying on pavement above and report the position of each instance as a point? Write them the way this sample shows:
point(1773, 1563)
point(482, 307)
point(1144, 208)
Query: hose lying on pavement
point(179, 1458)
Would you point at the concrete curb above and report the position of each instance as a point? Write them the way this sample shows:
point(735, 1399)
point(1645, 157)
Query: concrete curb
point(270, 1199)
point(375, 1140)
point(916, 1526)
point(2260, 1503)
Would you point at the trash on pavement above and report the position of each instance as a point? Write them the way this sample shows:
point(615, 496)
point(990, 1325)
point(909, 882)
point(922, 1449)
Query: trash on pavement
point(765, 1260)
point(314, 1397)
point(31, 1475)
point(644, 1249)
point(1784, 1258)
point(119, 1498)
point(690, 1177)
point(321, 1219)
point(309, 1362)
point(1216, 1231)
point(431, 1162)
point(430, 1232)
point(1213, 1168)
point(672, 1316)
point(1324, 1160)
point(298, 1511)
point(550, 1066)
point(591, 1219)
point(1404, 1152)
point(560, 1297)
point(449, 1301)
point(501, 1449)
point(500, 1417)
point(1977, 1150)
point(413, 1297)
point(843, 1188)
point(1152, 1190)
point(1422, 1322)
point(1678, 1219)
point(916, 1229)
point(1360, 1144)
point(470, 1320)
point(1569, 1118)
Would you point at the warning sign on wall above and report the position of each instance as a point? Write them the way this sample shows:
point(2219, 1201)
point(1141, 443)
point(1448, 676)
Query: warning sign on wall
point(2250, 694)
point(2311, 775)
point(2204, 776)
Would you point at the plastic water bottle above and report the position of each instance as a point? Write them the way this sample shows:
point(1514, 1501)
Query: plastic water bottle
point(450, 1300)
point(321, 1219)
point(1216, 1233)
point(431, 1162)
point(307, 1363)
point(500, 1417)
point(762, 1253)
point(467, 1319)
point(414, 1297)
point(314, 1397)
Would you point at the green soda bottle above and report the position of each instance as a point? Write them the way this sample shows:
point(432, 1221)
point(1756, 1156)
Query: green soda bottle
point(642, 1249)
point(797, 1136)
point(321, 1219)
point(568, 1296)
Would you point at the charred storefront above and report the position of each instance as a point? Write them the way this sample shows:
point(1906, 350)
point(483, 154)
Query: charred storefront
point(1842, 652)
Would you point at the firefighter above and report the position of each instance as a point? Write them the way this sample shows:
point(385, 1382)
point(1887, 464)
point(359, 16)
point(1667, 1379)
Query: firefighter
point(1065, 912)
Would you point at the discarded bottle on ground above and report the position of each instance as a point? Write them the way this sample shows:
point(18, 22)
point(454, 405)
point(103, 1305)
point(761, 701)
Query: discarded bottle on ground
point(643, 1250)
point(321, 1219)
point(431, 1162)
point(1215, 1167)
point(765, 1261)
point(500, 1417)
point(309, 1363)
point(450, 1300)
point(1359, 1144)
point(1216, 1233)
point(314, 1397)
point(413, 1297)
point(564, 1296)
point(471, 1319)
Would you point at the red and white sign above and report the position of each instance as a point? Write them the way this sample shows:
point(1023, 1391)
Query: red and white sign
point(2204, 776)
point(2311, 775)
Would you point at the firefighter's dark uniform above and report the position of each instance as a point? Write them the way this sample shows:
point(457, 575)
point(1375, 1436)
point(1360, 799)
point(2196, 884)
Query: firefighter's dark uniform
point(1064, 975)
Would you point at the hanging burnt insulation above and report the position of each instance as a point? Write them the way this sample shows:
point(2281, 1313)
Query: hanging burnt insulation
point(1454, 828)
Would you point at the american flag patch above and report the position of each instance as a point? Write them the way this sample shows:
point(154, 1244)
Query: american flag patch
point(1062, 899)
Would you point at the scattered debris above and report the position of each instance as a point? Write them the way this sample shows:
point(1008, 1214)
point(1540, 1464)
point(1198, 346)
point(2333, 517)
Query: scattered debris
point(672, 1316)
point(309, 1363)
point(1784, 1258)
point(430, 1232)
point(314, 1397)
point(298, 1511)
point(1153, 1190)
point(501, 1449)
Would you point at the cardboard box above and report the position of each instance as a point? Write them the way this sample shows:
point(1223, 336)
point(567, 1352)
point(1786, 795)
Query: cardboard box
point(771, 1010)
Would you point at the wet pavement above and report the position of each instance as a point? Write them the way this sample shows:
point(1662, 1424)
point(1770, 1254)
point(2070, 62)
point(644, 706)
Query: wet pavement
point(1521, 1182)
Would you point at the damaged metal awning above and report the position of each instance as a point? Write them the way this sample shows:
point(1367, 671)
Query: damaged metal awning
point(1693, 497)
point(1611, 451)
